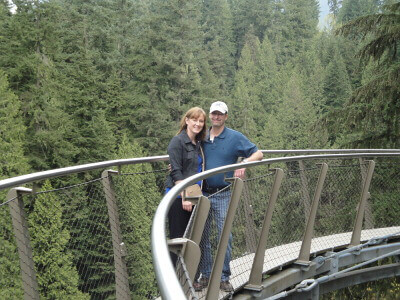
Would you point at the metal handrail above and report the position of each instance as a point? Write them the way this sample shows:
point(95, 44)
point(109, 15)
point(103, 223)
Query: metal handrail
point(168, 282)
point(23, 179)
point(14, 181)
point(329, 151)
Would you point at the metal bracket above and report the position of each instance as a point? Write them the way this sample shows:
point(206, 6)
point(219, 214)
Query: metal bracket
point(334, 264)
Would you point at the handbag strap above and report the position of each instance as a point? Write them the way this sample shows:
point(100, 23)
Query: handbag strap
point(203, 164)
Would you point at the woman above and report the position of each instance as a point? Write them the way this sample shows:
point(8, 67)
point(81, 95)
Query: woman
point(186, 158)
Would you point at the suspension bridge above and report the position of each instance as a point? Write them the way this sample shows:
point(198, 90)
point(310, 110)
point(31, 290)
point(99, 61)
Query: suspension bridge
point(303, 223)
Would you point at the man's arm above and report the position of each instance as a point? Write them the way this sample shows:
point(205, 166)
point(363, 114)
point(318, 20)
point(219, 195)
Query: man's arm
point(258, 155)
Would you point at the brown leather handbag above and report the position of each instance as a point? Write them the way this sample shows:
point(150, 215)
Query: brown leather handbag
point(193, 191)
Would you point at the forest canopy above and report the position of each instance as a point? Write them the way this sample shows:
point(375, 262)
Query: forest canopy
point(79, 75)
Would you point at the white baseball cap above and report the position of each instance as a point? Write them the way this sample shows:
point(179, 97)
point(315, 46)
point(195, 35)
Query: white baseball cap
point(219, 106)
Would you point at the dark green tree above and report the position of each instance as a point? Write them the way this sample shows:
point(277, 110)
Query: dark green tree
point(12, 132)
point(371, 117)
point(217, 24)
point(298, 20)
point(291, 126)
point(57, 277)
point(352, 9)
point(246, 105)
point(168, 61)
point(336, 84)
point(138, 198)
point(13, 163)
point(255, 14)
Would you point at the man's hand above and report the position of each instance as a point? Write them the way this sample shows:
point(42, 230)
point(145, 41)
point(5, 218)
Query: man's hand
point(240, 173)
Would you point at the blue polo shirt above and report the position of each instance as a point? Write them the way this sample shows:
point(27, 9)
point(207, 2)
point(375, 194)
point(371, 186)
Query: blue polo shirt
point(225, 150)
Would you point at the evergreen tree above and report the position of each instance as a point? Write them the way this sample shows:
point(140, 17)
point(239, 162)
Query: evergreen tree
point(257, 92)
point(57, 277)
point(12, 132)
point(352, 9)
point(137, 201)
point(336, 85)
point(10, 279)
point(312, 72)
point(291, 127)
point(31, 35)
point(168, 59)
point(79, 88)
point(13, 163)
point(269, 79)
point(298, 21)
point(246, 104)
point(371, 116)
point(255, 14)
point(217, 24)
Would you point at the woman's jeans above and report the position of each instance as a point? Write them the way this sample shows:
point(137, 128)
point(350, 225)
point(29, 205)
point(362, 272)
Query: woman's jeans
point(219, 204)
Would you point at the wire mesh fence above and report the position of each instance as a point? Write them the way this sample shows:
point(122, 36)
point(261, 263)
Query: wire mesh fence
point(335, 216)
point(87, 236)
point(70, 243)
point(9, 260)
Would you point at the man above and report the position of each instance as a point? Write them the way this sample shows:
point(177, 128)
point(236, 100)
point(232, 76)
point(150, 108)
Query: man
point(223, 146)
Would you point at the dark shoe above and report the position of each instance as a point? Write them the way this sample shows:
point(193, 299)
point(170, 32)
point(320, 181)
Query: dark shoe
point(226, 286)
point(201, 284)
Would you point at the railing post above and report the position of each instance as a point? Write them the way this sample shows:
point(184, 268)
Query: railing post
point(121, 271)
point(201, 213)
point(190, 252)
point(304, 255)
point(189, 245)
point(356, 236)
point(258, 262)
point(21, 232)
point(369, 220)
point(213, 286)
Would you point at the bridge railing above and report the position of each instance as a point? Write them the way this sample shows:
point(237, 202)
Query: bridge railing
point(279, 215)
point(85, 235)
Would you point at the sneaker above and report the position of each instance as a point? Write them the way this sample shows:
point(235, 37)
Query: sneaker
point(226, 286)
point(201, 284)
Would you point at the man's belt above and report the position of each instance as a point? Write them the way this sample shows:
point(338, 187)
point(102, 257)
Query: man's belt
point(213, 190)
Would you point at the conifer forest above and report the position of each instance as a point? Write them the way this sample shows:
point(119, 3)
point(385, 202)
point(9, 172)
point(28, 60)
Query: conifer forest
point(88, 81)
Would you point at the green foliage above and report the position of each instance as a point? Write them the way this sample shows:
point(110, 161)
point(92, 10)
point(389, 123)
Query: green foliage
point(12, 132)
point(217, 25)
point(12, 162)
point(10, 279)
point(137, 200)
point(336, 84)
point(371, 117)
point(352, 9)
point(254, 15)
point(291, 126)
point(57, 277)
point(298, 20)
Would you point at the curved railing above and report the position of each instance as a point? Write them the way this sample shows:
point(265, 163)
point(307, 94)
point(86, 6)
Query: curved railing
point(91, 196)
point(37, 176)
point(321, 182)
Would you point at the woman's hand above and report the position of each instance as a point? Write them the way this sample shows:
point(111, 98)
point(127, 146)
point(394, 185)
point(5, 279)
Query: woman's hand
point(187, 205)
